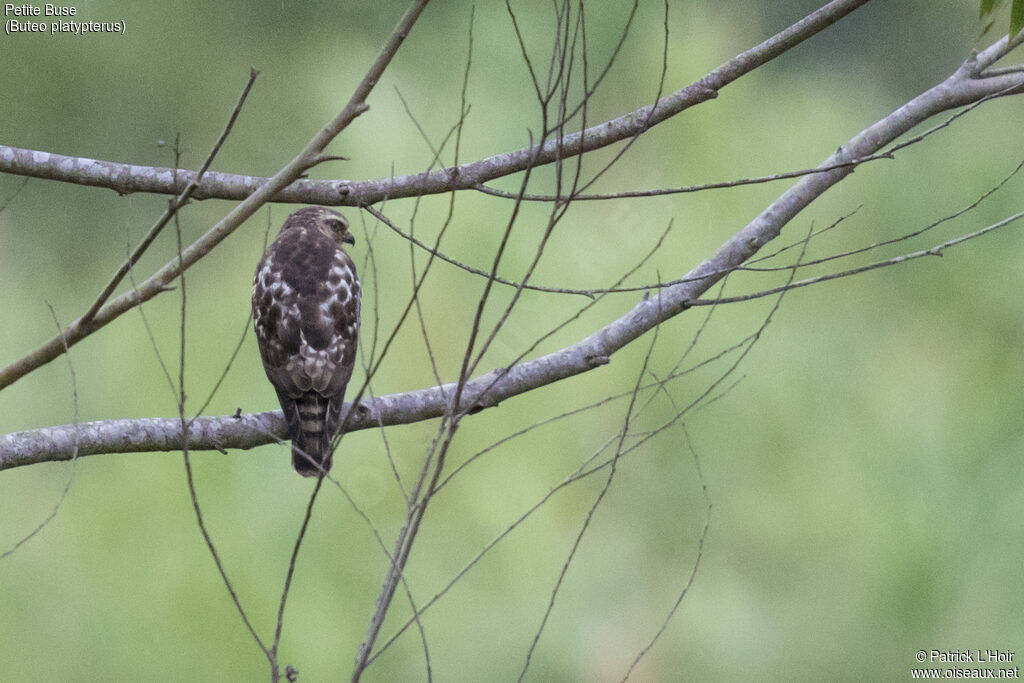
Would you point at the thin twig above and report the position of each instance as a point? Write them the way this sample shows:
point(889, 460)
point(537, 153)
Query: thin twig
point(292, 563)
point(10, 198)
point(588, 518)
point(190, 481)
point(174, 206)
point(896, 260)
point(701, 538)
point(74, 453)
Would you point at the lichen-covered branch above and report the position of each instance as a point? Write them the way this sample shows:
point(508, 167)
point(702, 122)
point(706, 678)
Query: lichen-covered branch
point(255, 429)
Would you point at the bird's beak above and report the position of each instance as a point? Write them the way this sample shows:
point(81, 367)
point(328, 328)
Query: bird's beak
point(349, 239)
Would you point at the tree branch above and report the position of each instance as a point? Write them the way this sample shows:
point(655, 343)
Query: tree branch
point(127, 178)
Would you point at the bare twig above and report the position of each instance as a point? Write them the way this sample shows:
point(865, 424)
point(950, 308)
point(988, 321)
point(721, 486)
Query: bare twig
point(10, 198)
point(76, 433)
point(190, 476)
point(696, 562)
point(896, 260)
point(275, 672)
point(588, 518)
point(194, 498)
point(174, 206)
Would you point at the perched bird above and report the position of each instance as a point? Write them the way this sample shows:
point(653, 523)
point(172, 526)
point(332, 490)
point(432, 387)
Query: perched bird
point(305, 307)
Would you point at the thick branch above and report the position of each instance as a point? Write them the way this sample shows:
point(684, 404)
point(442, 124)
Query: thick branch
point(126, 178)
point(256, 429)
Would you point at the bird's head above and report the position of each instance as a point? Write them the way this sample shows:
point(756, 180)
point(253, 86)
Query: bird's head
point(327, 221)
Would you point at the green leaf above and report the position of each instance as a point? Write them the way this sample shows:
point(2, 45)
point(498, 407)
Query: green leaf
point(1016, 17)
point(987, 6)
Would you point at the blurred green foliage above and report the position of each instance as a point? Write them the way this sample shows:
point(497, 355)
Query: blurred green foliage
point(865, 475)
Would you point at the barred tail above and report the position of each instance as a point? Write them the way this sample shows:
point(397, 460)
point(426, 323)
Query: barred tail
point(311, 438)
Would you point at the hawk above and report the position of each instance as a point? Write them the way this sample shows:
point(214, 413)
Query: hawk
point(305, 307)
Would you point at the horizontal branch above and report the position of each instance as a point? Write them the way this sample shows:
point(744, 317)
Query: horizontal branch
point(137, 435)
point(128, 178)
point(256, 429)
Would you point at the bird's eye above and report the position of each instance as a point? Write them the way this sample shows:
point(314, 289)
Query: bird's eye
point(339, 226)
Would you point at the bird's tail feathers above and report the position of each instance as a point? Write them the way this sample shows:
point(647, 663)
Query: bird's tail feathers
point(311, 442)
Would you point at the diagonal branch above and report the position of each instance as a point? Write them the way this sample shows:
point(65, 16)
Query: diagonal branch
point(311, 155)
point(173, 206)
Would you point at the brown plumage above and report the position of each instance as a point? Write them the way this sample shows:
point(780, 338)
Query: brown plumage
point(305, 306)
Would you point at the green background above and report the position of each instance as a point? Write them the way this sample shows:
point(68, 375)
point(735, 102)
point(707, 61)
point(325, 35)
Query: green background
point(864, 475)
